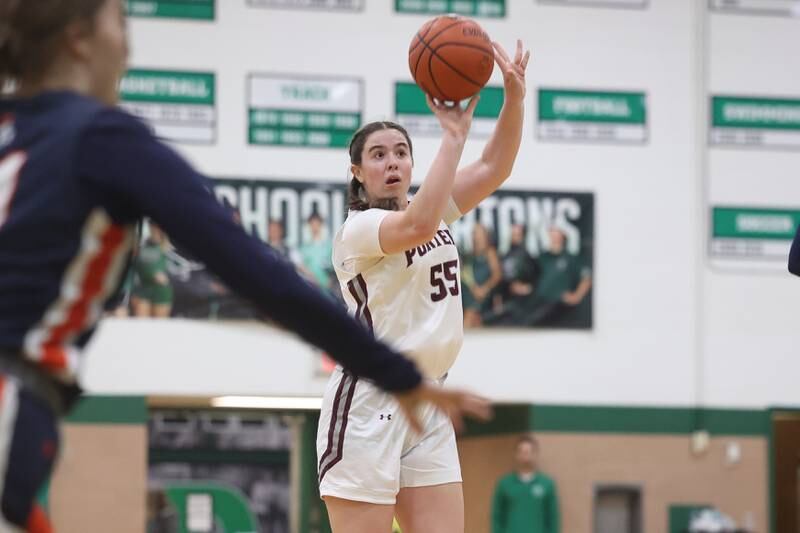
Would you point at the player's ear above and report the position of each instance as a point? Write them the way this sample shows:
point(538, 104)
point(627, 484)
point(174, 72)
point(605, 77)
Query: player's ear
point(355, 170)
point(77, 38)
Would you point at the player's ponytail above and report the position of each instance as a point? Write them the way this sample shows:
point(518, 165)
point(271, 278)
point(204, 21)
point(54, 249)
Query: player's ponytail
point(357, 199)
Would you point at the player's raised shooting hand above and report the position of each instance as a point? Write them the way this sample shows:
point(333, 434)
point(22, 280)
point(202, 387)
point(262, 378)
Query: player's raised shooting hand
point(455, 403)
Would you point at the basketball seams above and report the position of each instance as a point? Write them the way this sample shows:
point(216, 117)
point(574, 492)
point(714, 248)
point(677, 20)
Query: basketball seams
point(430, 74)
point(421, 39)
point(454, 69)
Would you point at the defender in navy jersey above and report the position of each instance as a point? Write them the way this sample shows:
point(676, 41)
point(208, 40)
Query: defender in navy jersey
point(76, 176)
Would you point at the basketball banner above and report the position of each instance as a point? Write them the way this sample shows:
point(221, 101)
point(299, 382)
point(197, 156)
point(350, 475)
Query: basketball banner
point(593, 116)
point(599, 3)
point(411, 110)
point(755, 121)
point(470, 8)
point(179, 105)
point(182, 9)
point(752, 236)
point(785, 8)
point(328, 5)
point(303, 111)
point(526, 256)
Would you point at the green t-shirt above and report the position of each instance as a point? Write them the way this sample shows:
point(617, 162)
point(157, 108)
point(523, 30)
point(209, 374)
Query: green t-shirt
point(559, 274)
point(525, 506)
point(316, 257)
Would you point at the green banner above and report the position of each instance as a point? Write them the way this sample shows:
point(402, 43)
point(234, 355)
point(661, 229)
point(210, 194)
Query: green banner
point(168, 87)
point(474, 8)
point(748, 112)
point(588, 106)
point(569, 114)
point(755, 121)
point(754, 223)
point(413, 113)
point(182, 9)
point(181, 106)
point(312, 112)
point(752, 237)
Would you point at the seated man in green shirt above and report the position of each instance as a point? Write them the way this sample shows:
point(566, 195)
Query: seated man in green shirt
point(526, 501)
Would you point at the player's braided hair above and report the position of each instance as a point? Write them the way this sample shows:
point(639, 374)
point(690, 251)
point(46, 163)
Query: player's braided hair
point(29, 32)
point(356, 195)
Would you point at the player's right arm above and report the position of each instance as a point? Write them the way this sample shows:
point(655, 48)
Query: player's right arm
point(417, 224)
point(794, 254)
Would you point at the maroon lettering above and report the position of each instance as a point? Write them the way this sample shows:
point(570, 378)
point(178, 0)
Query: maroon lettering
point(409, 257)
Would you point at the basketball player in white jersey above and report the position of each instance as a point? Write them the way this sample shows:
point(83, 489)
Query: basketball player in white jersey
point(399, 272)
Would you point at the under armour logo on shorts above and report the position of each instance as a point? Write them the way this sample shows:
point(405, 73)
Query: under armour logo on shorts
point(387, 417)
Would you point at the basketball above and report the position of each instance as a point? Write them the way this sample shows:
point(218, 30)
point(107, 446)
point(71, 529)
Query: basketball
point(451, 58)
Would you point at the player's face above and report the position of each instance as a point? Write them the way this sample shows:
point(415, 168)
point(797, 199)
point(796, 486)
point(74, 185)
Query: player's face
point(108, 45)
point(385, 168)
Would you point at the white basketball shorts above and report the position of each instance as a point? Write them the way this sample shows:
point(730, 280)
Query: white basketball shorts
point(367, 451)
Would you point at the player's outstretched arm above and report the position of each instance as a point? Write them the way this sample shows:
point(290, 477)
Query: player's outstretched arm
point(132, 174)
point(481, 178)
point(417, 224)
point(794, 254)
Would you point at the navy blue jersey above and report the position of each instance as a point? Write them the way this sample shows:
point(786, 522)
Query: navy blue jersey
point(75, 179)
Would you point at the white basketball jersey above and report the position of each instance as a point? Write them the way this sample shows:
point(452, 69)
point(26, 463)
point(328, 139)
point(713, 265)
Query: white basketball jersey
point(412, 299)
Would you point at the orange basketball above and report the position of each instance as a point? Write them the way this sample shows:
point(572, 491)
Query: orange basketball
point(451, 58)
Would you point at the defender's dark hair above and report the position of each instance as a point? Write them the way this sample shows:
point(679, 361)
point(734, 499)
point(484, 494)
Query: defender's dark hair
point(30, 30)
point(356, 195)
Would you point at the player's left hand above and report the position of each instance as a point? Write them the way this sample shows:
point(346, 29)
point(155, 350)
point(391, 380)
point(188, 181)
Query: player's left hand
point(513, 71)
point(456, 403)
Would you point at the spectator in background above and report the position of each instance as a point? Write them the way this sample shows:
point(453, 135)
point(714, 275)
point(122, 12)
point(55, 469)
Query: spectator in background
point(276, 237)
point(480, 274)
point(316, 252)
point(520, 270)
point(564, 280)
point(152, 291)
point(526, 500)
point(161, 514)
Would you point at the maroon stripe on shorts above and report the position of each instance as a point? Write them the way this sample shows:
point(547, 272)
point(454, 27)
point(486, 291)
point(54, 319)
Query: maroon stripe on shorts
point(345, 415)
point(332, 425)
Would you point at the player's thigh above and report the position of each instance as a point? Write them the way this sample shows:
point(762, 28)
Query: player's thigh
point(348, 516)
point(432, 509)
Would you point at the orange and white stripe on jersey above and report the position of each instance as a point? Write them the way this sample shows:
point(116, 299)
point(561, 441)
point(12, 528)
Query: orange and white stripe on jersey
point(88, 281)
